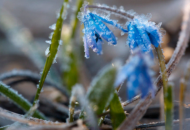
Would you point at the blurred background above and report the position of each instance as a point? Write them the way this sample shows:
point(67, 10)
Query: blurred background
point(24, 28)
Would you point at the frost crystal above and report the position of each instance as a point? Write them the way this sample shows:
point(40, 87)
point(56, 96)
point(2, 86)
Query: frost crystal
point(51, 35)
point(122, 33)
point(53, 26)
point(142, 33)
point(138, 75)
point(48, 41)
point(47, 52)
point(60, 42)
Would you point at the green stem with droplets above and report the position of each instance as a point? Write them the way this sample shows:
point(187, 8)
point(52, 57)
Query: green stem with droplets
point(53, 49)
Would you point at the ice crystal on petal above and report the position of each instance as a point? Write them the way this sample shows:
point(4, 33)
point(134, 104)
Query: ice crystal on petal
point(142, 33)
point(138, 75)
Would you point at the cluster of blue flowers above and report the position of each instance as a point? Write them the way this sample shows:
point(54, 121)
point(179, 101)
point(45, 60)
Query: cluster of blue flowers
point(142, 34)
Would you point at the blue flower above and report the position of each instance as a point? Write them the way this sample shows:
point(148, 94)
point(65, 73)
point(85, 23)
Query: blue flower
point(142, 33)
point(138, 75)
point(95, 30)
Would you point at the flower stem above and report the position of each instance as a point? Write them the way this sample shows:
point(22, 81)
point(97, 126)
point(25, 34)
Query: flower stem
point(183, 85)
point(168, 104)
point(165, 85)
point(18, 99)
point(162, 68)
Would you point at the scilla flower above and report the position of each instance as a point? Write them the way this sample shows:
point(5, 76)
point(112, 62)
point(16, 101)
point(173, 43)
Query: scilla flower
point(95, 30)
point(138, 75)
point(143, 33)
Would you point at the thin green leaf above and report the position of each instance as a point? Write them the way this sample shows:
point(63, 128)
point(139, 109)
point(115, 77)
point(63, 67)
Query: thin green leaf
point(75, 20)
point(116, 112)
point(71, 76)
point(53, 49)
point(18, 99)
point(101, 90)
point(72, 57)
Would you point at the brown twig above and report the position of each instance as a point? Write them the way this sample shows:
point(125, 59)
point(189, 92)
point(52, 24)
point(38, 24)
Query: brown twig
point(116, 11)
point(157, 124)
point(30, 121)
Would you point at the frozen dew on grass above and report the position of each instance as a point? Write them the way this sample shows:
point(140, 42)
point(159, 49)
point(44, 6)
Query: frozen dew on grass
point(47, 52)
point(48, 41)
point(53, 26)
point(138, 74)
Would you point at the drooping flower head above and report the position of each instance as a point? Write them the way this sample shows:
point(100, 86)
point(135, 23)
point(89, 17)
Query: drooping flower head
point(142, 33)
point(95, 30)
point(138, 74)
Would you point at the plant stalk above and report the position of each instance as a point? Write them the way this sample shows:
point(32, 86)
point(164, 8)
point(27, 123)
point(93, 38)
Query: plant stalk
point(72, 108)
point(164, 77)
point(183, 86)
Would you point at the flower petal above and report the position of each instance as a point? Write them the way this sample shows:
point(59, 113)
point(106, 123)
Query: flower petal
point(114, 23)
point(104, 31)
point(131, 39)
point(89, 33)
point(143, 34)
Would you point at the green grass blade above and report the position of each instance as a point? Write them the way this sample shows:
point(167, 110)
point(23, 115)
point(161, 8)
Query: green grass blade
point(18, 99)
point(71, 75)
point(116, 112)
point(52, 50)
point(101, 90)
point(75, 20)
